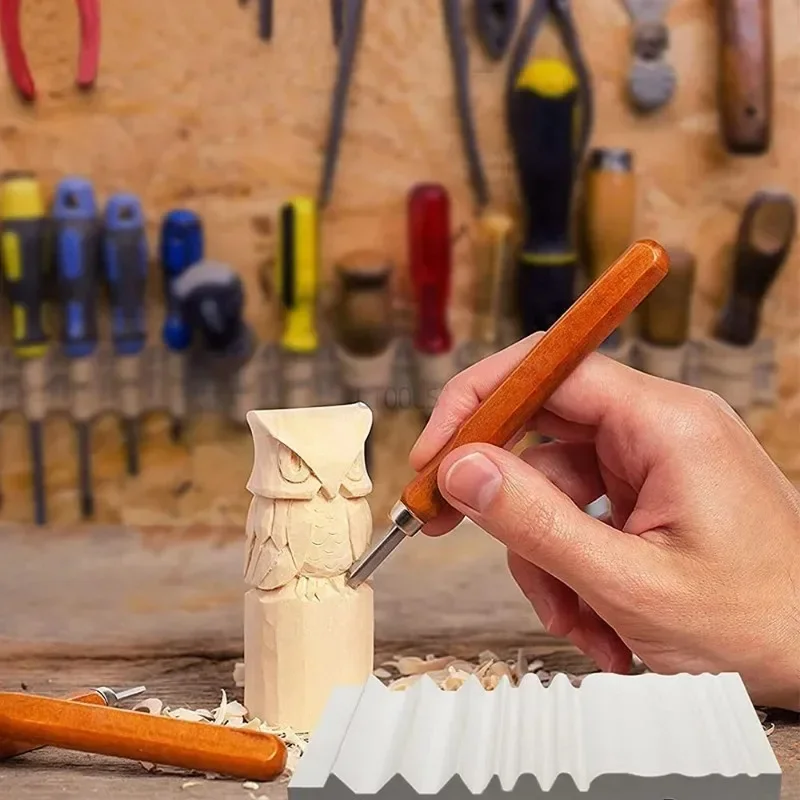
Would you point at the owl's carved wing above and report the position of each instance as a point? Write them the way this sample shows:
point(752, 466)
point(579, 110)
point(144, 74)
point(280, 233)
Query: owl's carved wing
point(359, 516)
point(268, 558)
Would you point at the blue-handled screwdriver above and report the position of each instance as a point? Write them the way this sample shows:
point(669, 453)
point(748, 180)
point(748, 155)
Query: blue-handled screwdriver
point(181, 246)
point(77, 260)
point(125, 256)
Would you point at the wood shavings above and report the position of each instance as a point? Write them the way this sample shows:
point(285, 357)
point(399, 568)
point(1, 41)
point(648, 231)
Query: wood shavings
point(189, 784)
point(450, 673)
point(151, 706)
point(381, 673)
point(253, 787)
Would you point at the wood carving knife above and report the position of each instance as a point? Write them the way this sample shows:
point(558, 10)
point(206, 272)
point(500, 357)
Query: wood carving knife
point(745, 74)
point(765, 236)
point(102, 695)
point(198, 746)
point(579, 331)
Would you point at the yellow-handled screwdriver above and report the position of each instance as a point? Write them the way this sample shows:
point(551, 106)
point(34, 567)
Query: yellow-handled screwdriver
point(24, 249)
point(296, 281)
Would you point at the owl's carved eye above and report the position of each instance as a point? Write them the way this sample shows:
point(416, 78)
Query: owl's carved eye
point(292, 467)
point(356, 471)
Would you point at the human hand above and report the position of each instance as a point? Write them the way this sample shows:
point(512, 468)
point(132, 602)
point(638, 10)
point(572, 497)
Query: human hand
point(697, 568)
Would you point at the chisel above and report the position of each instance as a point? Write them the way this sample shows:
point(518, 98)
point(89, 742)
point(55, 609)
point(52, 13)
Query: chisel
point(610, 192)
point(542, 122)
point(24, 248)
point(765, 236)
point(745, 74)
point(493, 257)
point(524, 391)
point(181, 245)
point(77, 258)
point(101, 696)
point(430, 267)
point(296, 279)
point(125, 257)
point(197, 746)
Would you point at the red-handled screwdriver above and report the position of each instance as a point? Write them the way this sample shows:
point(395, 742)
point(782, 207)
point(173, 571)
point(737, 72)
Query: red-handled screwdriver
point(430, 267)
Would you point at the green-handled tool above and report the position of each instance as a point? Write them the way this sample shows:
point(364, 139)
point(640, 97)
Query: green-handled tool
point(542, 117)
point(24, 249)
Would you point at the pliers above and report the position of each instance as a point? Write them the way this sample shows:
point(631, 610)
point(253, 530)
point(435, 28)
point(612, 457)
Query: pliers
point(17, 62)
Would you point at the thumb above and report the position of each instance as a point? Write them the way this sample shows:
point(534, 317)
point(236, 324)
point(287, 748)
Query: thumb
point(521, 508)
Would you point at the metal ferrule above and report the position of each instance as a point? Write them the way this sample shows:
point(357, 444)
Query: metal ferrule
point(404, 519)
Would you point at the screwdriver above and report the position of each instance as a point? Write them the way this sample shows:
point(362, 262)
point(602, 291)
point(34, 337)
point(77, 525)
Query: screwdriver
point(542, 121)
point(665, 317)
point(125, 257)
point(492, 295)
point(745, 75)
point(610, 211)
point(430, 266)
point(528, 386)
point(118, 732)
point(24, 241)
point(102, 695)
point(181, 244)
point(77, 258)
point(296, 279)
point(764, 238)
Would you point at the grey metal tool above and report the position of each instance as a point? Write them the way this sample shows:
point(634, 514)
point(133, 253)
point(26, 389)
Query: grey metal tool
point(352, 15)
point(265, 12)
point(651, 79)
point(495, 22)
point(337, 20)
point(459, 56)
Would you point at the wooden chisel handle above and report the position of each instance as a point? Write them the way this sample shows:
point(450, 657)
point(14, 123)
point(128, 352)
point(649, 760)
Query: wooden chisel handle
point(579, 331)
point(10, 748)
point(745, 74)
point(132, 734)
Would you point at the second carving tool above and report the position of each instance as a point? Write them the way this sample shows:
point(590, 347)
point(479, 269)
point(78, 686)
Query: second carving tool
point(118, 732)
point(24, 248)
point(101, 696)
point(745, 74)
point(525, 390)
point(181, 246)
point(296, 282)
point(77, 258)
point(125, 258)
point(665, 317)
point(430, 266)
point(610, 212)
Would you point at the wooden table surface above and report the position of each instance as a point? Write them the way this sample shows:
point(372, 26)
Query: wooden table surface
point(118, 607)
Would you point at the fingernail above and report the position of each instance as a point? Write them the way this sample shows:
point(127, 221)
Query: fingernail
point(474, 481)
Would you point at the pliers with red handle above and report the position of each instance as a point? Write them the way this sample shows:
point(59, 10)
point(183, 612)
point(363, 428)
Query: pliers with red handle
point(17, 62)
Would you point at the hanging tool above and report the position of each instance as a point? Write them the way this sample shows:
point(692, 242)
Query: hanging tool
point(125, 257)
point(430, 267)
point(210, 296)
point(459, 57)
point(25, 270)
point(265, 14)
point(496, 21)
point(665, 314)
point(102, 695)
point(141, 736)
point(337, 20)
point(745, 75)
point(610, 195)
point(527, 387)
point(651, 79)
point(181, 246)
point(296, 280)
point(492, 294)
point(352, 16)
point(14, 51)
point(549, 114)
point(77, 258)
point(765, 236)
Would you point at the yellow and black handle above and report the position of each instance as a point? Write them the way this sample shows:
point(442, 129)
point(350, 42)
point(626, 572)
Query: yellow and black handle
point(543, 118)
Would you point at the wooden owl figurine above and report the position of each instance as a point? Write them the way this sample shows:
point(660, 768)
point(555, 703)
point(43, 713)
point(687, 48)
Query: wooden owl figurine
point(309, 519)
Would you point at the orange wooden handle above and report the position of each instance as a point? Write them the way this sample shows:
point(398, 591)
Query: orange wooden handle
point(745, 74)
point(579, 331)
point(132, 734)
point(10, 748)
